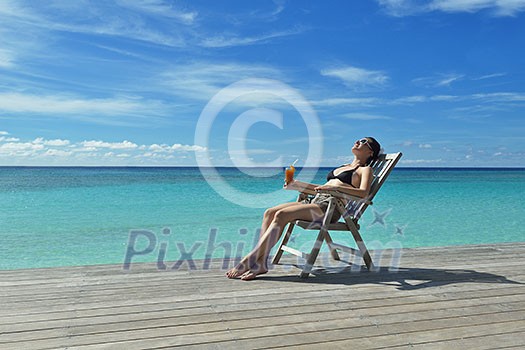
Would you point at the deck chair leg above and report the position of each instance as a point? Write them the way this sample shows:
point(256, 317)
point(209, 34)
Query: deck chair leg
point(321, 237)
point(285, 239)
point(313, 254)
point(362, 247)
point(333, 251)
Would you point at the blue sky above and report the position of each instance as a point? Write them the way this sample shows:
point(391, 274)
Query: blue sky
point(125, 82)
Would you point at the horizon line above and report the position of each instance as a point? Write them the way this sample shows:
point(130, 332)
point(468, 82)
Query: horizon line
point(249, 167)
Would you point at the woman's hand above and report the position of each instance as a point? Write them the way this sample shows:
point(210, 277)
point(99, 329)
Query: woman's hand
point(289, 184)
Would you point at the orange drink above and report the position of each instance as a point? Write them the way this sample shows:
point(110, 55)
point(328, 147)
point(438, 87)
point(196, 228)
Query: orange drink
point(288, 174)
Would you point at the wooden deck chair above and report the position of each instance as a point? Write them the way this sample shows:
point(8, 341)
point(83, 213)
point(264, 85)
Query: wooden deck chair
point(352, 209)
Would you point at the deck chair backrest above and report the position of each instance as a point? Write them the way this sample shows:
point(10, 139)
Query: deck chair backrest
point(382, 167)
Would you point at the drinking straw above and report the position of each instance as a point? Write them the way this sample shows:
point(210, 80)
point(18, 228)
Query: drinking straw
point(295, 161)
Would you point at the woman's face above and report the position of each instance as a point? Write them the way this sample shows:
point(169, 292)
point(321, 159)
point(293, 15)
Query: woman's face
point(361, 146)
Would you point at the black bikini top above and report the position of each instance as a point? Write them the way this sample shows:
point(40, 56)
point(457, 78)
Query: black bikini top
point(345, 176)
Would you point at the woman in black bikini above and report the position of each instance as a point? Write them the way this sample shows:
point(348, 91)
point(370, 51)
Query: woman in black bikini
point(354, 178)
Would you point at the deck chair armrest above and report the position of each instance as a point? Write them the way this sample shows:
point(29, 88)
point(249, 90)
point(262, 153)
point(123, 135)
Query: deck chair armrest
point(303, 187)
point(346, 196)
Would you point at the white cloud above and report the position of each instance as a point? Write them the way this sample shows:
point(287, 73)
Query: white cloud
point(410, 99)
point(490, 76)
point(158, 22)
point(128, 19)
point(413, 144)
point(236, 40)
point(365, 116)
point(498, 7)
point(16, 10)
point(111, 145)
point(421, 99)
point(20, 146)
point(200, 81)
point(159, 148)
point(105, 111)
point(57, 153)
point(254, 151)
point(496, 97)
point(446, 81)
point(179, 147)
point(401, 8)
point(150, 156)
point(85, 149)
point(123, 155)
point(260, 14)
point(357, 77)
point(93, 152)
point(350, 101)
point(175, 147)
point(160, 8)
point(56, 142)
point(23, 103)
point(9, 139)
point(501, 97)
point(440, 80)
point(443, 98)
point(6, 59)
point(4, 133)
point(421, 161)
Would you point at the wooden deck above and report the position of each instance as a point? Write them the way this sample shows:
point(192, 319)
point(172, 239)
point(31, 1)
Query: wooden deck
point(468, 297)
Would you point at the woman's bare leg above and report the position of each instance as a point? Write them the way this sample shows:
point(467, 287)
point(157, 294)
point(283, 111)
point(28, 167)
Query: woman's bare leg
point(257, 258)
point(244, 266)
point(270, 213)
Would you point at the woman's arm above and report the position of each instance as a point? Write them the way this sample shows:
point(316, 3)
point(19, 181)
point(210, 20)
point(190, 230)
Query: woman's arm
point(362, 191)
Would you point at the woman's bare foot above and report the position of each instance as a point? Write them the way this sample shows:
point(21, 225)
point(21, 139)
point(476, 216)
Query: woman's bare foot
point(237, 271)
point(251, 274)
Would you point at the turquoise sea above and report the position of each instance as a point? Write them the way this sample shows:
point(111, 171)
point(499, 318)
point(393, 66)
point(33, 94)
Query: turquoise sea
point(60, 216)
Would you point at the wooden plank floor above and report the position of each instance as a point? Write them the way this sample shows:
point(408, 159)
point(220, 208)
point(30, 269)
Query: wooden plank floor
point(467, 297)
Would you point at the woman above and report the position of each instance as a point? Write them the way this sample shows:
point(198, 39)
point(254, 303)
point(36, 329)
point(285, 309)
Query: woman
point(354, 178)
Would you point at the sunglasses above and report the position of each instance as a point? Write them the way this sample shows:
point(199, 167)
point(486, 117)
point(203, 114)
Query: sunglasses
point(365, 142)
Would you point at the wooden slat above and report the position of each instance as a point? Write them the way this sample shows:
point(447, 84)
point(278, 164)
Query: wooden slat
point(294, 251)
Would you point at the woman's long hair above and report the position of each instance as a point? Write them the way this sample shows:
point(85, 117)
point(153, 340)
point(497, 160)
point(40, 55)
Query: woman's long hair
point(376, 148)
